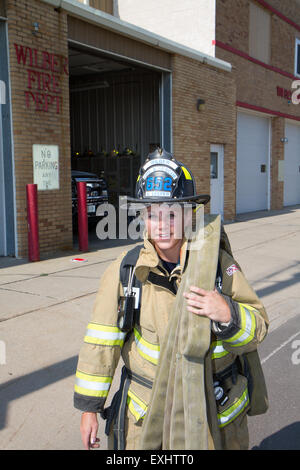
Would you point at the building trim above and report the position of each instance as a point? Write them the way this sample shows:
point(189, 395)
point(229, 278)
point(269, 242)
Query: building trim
point(116, 56)
point(9, 163)
point(241, 104)
point(246, 56)
point(266, 5)
point(99, 18)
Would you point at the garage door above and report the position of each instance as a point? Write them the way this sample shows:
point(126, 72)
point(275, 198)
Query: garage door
point(252, 163)
point(292, 165)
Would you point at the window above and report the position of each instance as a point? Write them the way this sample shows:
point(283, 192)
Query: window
point(104, 5)
point(214, 165)
point(259, 33)
point(297, 58)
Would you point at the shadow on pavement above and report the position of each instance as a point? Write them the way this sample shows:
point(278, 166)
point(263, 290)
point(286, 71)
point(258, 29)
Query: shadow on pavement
point(287, 438)
point(264, 214)
point(29, 383)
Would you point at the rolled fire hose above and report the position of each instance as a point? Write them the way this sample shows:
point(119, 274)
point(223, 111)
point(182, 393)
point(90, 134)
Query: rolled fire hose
point(182, 410)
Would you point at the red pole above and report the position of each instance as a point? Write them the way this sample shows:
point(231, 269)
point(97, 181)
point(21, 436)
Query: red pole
point(82, 217)
point(33, 222)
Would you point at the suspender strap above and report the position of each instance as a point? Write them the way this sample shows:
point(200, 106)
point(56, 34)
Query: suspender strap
point(119, 422)
point(139, 379)
point(162, 281)
point(116, 412)
point(111, 413)
point(129, 260)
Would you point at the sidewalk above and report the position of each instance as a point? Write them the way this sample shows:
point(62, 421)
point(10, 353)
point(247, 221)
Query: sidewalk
point(45, 306)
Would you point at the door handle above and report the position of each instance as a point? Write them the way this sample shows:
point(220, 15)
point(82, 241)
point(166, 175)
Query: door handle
point(263, 168)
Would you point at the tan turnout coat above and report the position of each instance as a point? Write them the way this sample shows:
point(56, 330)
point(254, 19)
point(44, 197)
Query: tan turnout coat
point(104, 343)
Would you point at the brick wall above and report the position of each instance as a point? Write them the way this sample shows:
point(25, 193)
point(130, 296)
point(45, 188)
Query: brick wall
point(232, 20)
point(277, 152)
point(194, 131)
point(288, 8)
point(257, 85)
point(232, 28)
point(38, 121)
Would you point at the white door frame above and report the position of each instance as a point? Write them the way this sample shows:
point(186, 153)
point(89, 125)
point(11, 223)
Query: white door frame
point(3, 247)
point(219, 149)
point(269, 166)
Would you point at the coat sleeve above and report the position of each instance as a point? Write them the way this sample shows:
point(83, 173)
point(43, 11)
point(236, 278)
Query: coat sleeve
point(249, 321)
point(102, 344)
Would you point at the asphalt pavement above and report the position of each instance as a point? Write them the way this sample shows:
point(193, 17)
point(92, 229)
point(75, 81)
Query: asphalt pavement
point(45, 306)
point(279, 428)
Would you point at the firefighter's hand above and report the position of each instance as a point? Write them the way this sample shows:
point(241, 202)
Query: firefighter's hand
point(89, 429)
point(208, 303)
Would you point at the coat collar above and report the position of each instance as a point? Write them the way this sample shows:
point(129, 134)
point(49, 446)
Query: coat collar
point(149, 259)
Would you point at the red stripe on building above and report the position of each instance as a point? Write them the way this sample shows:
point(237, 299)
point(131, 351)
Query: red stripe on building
point(266, 5)
point(235, 51)
point(260, 109)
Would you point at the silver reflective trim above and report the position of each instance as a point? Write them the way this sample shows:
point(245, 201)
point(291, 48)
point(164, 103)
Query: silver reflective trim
point(105, 335)
point(137, 408)
point(224, 419)
point(147, 351)
point(218, 349)
point(161, 161)
point(247, 327)
point(92, 385)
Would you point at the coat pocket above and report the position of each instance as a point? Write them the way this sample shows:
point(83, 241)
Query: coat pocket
point(252, 369)
point(232, 399)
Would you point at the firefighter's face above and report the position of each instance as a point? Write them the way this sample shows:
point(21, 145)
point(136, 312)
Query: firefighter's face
point(164, 225)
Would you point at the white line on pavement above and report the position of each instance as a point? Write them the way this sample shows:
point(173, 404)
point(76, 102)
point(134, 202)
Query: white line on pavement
point(280, 347)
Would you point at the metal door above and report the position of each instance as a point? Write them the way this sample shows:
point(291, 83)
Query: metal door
point(253, 154)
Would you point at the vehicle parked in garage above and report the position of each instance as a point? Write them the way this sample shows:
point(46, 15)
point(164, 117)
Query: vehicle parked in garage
point(96, 194)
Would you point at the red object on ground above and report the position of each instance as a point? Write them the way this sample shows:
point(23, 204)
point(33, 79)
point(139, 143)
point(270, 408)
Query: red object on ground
point(33, 222)
point(83, 232)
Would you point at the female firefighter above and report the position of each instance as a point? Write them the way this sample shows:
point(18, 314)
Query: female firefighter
point(132, 319)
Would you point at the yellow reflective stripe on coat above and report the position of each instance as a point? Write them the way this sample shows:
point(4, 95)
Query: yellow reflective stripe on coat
point(147, 350)
point(234, 410)
point(217, 350)
point(92, 385)
point(247, 329)
point(136, 406)
point(104, 335)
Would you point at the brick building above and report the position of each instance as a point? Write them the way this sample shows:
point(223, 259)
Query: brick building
point(263, 50)
point(261, 39)
point(76, 79)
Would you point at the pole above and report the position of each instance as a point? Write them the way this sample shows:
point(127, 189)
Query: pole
point(82, 217)
point(33, 222)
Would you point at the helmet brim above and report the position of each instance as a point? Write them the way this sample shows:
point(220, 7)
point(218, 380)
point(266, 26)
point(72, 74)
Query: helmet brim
point(198, 199)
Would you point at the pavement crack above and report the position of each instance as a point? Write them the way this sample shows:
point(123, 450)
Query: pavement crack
point(47, 306)
point(27, 293)
point(21, 425)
